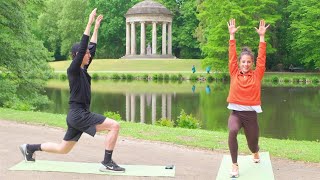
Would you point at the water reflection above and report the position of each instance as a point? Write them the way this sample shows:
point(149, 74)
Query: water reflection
point(148, 100)
point(288, 112)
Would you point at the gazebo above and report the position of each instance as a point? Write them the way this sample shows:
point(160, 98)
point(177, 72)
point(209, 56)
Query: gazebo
point(147, 13)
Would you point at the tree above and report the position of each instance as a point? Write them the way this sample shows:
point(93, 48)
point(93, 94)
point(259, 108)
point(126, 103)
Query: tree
point(48, 28)
point(72, 22)
point(23, 59)
point(185, 22)
point(212, 30)
point(304, 33)
point(112, 33)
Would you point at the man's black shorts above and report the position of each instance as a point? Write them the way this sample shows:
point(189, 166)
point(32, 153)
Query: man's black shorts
point(81, 120)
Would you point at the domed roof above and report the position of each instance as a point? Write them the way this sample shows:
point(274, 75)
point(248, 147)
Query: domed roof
point(148, 7)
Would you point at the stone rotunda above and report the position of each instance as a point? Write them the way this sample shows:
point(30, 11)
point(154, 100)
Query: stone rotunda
point(147, 13)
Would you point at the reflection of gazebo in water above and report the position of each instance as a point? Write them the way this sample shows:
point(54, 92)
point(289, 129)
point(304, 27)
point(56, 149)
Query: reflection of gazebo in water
point(147, 100)
point(145, 13)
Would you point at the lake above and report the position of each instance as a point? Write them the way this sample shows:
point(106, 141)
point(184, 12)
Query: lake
point(288, 112)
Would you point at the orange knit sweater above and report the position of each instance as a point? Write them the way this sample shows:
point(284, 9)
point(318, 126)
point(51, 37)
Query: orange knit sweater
point(245, 89)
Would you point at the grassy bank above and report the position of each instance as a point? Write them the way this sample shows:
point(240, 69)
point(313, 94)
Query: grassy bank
point(135, 66)
point(211, 140)
point(173, 70)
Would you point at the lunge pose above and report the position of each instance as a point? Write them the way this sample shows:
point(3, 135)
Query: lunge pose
point(244, 95)
point(79, 118)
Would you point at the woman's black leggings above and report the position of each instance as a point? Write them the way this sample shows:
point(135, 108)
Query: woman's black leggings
point(248, 120)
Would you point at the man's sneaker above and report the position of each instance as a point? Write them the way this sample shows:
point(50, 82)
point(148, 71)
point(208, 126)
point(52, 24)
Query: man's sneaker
point(111, 166)
point(28, 156)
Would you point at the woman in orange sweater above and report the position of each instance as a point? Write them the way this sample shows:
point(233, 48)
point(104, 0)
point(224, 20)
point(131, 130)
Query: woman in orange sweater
point(244, 95)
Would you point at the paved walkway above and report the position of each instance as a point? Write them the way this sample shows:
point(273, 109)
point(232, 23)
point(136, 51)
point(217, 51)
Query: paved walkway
point(191, 164)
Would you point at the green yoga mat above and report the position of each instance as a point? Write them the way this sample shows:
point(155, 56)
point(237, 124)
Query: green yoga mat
point(247, 169)
point(92, 168)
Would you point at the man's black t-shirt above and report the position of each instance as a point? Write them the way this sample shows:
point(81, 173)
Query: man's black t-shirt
point(79, 79)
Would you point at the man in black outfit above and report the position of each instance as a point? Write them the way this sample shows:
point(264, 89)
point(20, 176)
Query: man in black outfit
point(79, 118)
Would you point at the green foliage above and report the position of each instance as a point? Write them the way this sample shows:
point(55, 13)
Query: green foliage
point(113, 115)
point(165, 122)
point(304, 31)
point(193, 77)
point(145, 77)
point(130, 77)
point(187, 121)
point(95, 76)
point(155, 77)
point(113, 29)
point(115, 76)
point(160, 76)
point(213, 34)
point(23, 57)
point(315, 80)
point(63, 77)
point(166, 77)
point(185, 44)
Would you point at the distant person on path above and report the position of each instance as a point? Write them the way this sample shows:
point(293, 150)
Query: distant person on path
point(193, 88)
point(208, 89)
point(79, 118)
point(193, 69)
point(208, 69)
point(245, 94)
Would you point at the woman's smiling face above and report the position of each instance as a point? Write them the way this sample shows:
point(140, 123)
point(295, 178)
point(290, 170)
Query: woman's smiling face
point(246, 63)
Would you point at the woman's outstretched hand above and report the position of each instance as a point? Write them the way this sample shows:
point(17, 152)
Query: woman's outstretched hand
point(262, 28)
point(232, 26)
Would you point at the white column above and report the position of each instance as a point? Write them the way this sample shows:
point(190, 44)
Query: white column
point(127, 107)
point(142, 108)
point(154, 38)
point(143, 39)
point(170, 38)
point(164, 106)
point(133, 38)
point(164, 38)
point(127, 38)
point(169, 106)
point(154, 108)
point(133, 107)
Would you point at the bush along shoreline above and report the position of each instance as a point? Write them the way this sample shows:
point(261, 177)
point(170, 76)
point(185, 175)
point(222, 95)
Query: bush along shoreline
point(287, 79)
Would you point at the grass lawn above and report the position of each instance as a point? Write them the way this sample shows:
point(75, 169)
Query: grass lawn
point(175, 65)
point(211, 140)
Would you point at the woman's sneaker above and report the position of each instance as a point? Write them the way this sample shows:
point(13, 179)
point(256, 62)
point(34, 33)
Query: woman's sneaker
point(27, 155)
point(256, 157)
point(235, 171)
point(111, 166)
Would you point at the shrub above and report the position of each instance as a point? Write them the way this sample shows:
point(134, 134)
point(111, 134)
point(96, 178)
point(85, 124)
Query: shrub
point(63, 77)
point(180, 77)
point(130, 77)
point(160, 77)
point(95, 76)
point(145, 77)
point(164, 122)
point(155, 77)
point(123, 76)
point(187, 121)
point(115, 76)
point(209, 78)
point(315, 80)
point(174, 77)
point(113, 115)
point(286, 80)
point(193, 77)
point(274, 79)
point(103, 76)
point(166, 77)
